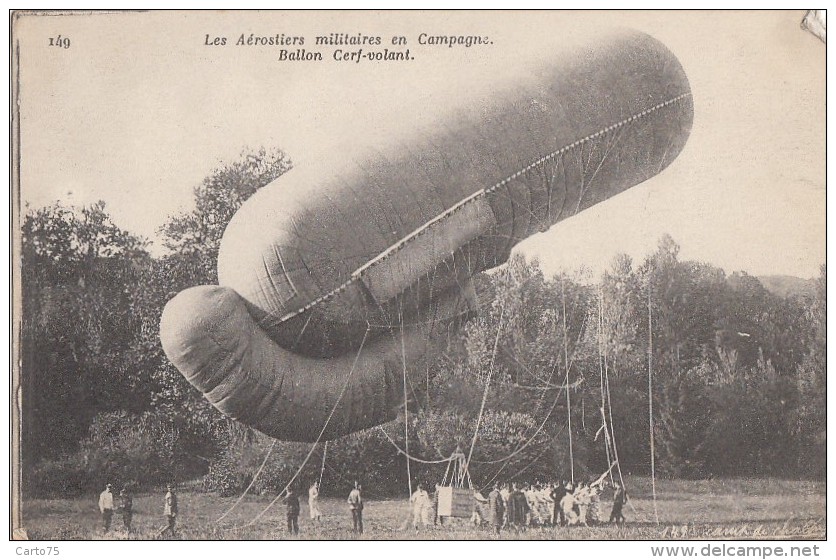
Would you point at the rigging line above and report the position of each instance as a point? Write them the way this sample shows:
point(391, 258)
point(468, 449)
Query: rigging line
point(566, 364)
point(531, 464)
point(612, 426)
point(601, 351)
point(611, 142)
point(301, 332)
point(405, 411)
point(611, 432)
point(341, 477)
point(650, 394)
point(446, 472)
point(583, 413)
point(421, 230)
point(528, 442)
point(322, 470)
point(252, 482)
point(545, 388)
point(488, 380)
point(427, 397)
point(583, 184)
point(321, 432)
point(411, 457)
point(506, 463)
point(547, 384)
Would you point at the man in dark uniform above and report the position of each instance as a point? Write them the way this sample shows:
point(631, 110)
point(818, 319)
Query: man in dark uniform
point(618, 501)
point(557, 494)
point(292, 502)
point(517, 508)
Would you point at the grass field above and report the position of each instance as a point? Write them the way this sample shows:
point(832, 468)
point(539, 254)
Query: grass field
point(715, 509)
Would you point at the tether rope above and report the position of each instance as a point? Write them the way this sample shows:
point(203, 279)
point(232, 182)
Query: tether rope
point(650, 396)
point(530, 440)
point(566, 386)
point(506, 463)
point(488, 381)
point(322, 469)
point(566, 362)
point(405, 411)
point(602, 342)
point(529, 465)
point(252, 482)
point(321, 432)
point(612, 426)
point(447, 459)
point(412, 457)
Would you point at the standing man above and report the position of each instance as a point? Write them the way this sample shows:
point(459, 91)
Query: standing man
point(355, 504)
point(496, 508)
point(505, 492)
point(313, 502)
point(517, 508)
point(618, 501)
point(106, 506)
point(127, 506)
point(420, 507)
point(556, 495)
point(292, 502)
point(170, 509)
point(593, 515)
point(568, 507)
point(583, 498)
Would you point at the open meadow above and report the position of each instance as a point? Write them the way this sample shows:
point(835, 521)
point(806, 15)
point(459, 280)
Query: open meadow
point(708, 509)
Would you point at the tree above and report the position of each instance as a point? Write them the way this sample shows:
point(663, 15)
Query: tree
point(78, 270)
point(684, 298)
point(92, 300)
point(810, 420)
point(681, 422)
point(198, 233)
point(622, 310)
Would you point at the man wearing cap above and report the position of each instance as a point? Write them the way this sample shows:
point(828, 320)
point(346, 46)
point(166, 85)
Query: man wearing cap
point(618, 501)
point(557, 493)
point(106, 507)
point(292, 502)
point(421, 504)
point(355, 504)
point(170, 509)
point(496, 508)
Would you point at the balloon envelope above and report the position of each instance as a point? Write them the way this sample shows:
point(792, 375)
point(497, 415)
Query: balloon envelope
point(333, 278)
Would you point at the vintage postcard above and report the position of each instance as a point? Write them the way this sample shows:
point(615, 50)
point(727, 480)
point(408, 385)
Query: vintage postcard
point(420, 275)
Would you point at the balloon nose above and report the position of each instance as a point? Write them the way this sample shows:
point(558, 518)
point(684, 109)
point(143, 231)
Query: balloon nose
point(195, 328)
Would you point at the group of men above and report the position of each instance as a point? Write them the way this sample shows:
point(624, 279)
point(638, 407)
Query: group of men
point(507, 506)
point(126, 508)
point(561, 503)
point(291, 500)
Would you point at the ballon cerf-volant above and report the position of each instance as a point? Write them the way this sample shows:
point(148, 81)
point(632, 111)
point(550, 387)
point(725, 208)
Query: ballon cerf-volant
point(332, 279)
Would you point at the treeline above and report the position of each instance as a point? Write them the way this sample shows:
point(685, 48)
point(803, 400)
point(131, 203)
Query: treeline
point(738, 373)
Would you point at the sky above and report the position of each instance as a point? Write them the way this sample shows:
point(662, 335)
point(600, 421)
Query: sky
point(139, 109)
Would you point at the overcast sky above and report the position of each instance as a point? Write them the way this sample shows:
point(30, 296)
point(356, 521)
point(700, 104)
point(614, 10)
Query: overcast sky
point(138, 110)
